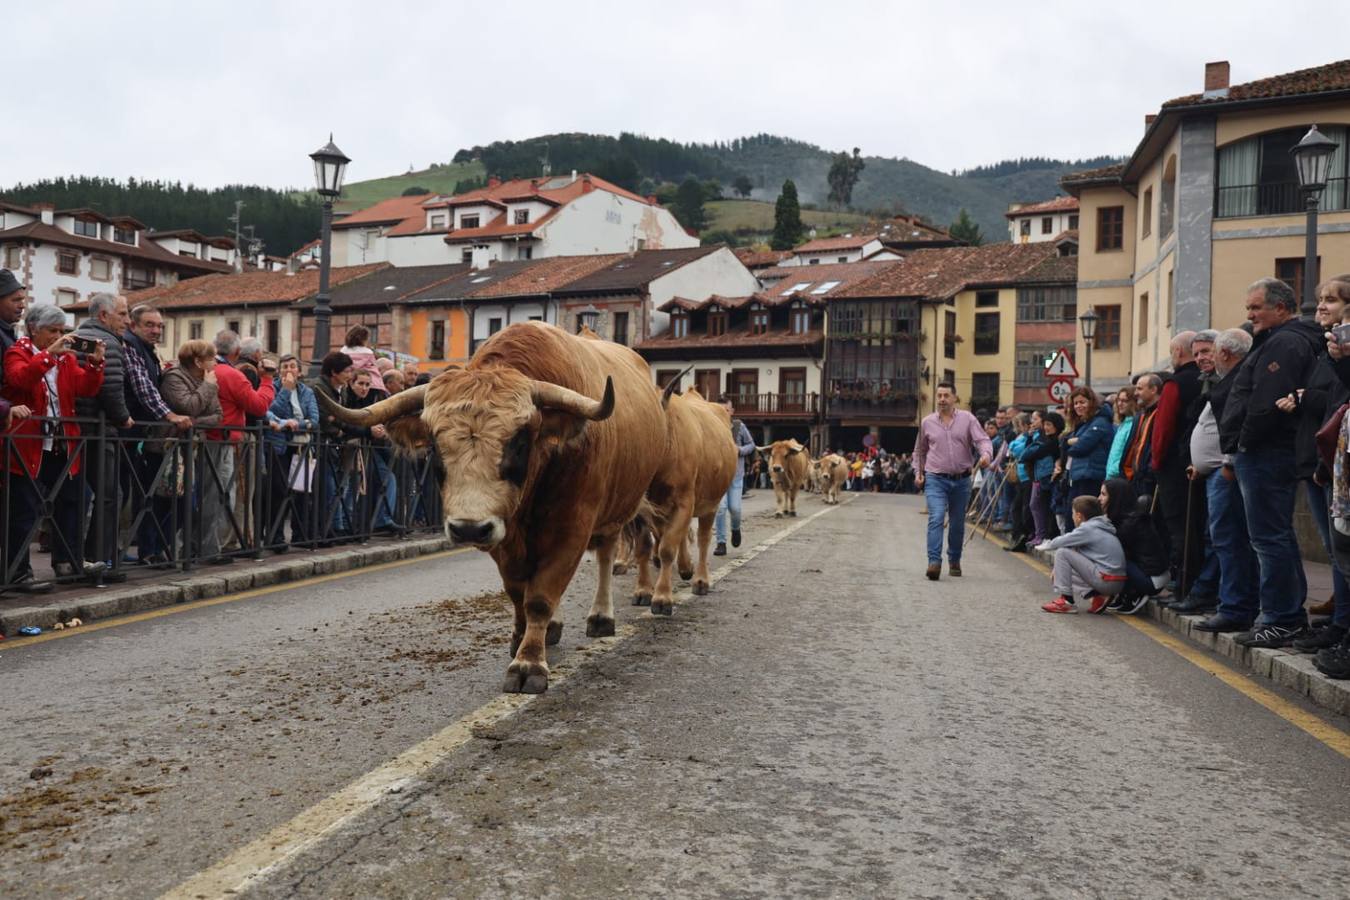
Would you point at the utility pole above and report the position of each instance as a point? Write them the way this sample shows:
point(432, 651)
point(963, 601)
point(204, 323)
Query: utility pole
point(237, 220)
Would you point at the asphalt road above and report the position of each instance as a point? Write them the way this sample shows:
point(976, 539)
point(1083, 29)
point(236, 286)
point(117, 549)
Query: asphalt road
point(825, 723)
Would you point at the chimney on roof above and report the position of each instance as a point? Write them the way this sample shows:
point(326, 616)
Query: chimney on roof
point(1149, 119)
point(47, 211)
point(494, 181)
point(574, 174)
point(534, 184)
point(651, 198)
point(1216, 79)
point(586, 186)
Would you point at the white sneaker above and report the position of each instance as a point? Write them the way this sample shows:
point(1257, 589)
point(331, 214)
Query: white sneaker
point(1042, 546)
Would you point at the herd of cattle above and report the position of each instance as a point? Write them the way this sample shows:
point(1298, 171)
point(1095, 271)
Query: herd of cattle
point(538, 471)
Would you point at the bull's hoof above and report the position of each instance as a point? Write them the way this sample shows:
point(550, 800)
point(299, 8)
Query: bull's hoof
point(620, 569)
point(516, 638)
point(686, 574)
point(778, 515)
point(599, 626)
point(701, 587)
point(663, 607)
point(525, 678)
point(554, 634)
point(793, 514)
point(642, 598)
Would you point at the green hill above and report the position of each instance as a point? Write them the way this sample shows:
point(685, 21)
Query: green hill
point(755, 217)
point(439, 179)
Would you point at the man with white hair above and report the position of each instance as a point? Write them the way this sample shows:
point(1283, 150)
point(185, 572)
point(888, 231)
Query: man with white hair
point(107, 322)
point(1169, 456)
point(1227, 520)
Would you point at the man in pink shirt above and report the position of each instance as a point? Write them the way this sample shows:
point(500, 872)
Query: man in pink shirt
point(951, 442)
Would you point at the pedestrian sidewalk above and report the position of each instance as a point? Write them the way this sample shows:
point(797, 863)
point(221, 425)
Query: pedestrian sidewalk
point(1287, 668)
point(152, 588)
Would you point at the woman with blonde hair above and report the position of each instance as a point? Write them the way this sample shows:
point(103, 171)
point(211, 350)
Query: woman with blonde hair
point(1125, 418)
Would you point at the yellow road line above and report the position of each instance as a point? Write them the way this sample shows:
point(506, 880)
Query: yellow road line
point(1311, 724)
point(15, 643)
point(253, 863)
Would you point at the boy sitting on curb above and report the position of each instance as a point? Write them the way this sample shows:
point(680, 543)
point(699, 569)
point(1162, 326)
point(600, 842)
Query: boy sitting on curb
point(1089, 561)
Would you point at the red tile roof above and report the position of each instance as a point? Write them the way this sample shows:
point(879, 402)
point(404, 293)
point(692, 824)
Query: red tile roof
point(1089, 177)
point(690, 305)
point(812, 277)
point(257, 287)
point(148, 249)
point(1320, 79)
point(940, 273)
point(387, 212)
point(781, 338)
point(760, 259)
point(843, 242)
point(1058, 204)
point(545, 275)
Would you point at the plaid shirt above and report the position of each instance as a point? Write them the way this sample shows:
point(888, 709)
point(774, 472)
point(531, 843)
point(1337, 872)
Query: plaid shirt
point(142, 386)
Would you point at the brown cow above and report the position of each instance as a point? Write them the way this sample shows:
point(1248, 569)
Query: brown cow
point(787, 467)
point(536, 470)
point(696, 471)
point(833, 474)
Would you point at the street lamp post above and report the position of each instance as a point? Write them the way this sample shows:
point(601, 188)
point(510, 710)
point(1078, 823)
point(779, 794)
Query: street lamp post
point(330, 164)
point(1088, 323)
point(1312, 158)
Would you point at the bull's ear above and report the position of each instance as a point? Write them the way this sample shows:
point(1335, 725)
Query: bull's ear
point(558, 429)
point(408, 434)
point(793, 451)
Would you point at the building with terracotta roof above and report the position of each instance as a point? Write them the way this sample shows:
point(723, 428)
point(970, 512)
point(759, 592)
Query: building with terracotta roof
point(1207, 203)
point(64, 256)
point(524, 218)
point(845, 248)
point(1030, 223)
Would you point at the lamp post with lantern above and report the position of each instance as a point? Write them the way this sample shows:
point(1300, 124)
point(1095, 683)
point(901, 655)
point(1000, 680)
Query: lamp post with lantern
point(1088, 323)
point(1312, 158)
point(330, 165)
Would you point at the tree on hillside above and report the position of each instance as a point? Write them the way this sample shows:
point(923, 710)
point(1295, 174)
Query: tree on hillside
point(415, 191)
point(787, 219)
point(844, 173)
point(712, 190)
point(743, 186)
point(688, 207)
point(965, 229)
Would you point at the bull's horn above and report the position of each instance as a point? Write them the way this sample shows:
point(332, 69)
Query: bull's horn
point(673, 387)
point(765, 449)
point(404, 403)
point(547, 395)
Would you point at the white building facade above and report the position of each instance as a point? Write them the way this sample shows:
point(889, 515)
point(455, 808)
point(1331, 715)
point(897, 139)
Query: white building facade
point(1032, 223)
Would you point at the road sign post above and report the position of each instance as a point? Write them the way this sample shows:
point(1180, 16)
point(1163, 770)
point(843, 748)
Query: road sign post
point(1059, 389)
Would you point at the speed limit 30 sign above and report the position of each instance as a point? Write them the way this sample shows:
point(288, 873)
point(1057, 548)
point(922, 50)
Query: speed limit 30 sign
point(1060, 389)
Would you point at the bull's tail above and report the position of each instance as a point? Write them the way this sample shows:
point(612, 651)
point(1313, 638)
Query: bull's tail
point(673, 387)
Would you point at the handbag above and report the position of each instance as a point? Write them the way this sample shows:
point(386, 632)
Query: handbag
point(171, 480)
point(301, 477)
point(1327, 435)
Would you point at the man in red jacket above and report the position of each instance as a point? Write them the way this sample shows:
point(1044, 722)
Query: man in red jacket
point(237, 399)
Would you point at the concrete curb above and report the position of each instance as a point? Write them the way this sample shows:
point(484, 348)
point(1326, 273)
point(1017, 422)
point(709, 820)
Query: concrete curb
point(1287, 668)
point(181, 587)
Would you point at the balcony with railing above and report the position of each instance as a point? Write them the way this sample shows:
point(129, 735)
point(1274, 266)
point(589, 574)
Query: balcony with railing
point(1274, 198)
point(873, 399)
point(775, 406)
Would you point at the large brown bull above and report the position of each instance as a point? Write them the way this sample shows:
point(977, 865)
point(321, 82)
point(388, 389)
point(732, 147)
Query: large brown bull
point(833, 474)
point(787, 467)
point(695, 473)
point(536, 469)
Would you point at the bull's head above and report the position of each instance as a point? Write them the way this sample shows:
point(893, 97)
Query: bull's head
point(493, 429)
point(779, 451)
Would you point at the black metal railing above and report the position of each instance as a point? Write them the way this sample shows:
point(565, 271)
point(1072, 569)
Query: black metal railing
point(1274, 198)
point(110, 501)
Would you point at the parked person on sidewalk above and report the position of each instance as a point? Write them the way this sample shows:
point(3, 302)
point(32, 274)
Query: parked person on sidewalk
point(950, 443)
point(1237, 599)
point(1039, 460)
point(363, 358)
point(731, 502)
point(1172, 424)
point(249, 465)
point(43, 375)
point(1089, 443)
point(293, 418)
point(1146, 564)
point(189, 389)
point(1023, 526)
point(1135, 465)
point(367, 459)
point(13, 301)
point(335, 373)
point(1202, 571)
point(142, 460)
point(1089, 561)
point(1260, 436)
point(393, 382)
point(1123, 414)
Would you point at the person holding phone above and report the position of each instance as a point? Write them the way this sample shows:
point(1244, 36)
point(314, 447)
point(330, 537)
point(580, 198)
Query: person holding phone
point(43, 375)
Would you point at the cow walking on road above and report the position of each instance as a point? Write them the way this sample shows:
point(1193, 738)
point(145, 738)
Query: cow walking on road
point(787, 467)
point(833, 474)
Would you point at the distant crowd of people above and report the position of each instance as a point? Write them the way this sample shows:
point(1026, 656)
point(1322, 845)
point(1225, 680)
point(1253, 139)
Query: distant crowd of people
point(221, 450)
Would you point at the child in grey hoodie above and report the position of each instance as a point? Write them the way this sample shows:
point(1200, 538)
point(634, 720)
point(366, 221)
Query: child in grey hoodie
point(1089, 561)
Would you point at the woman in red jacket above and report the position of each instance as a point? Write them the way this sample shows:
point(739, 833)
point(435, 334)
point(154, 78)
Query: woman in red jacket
point(43, 374)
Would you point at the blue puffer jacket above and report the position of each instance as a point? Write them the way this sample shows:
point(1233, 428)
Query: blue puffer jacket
point(1042, 451)
point(1092, 445)
point(280, 411)
point(1015, 450)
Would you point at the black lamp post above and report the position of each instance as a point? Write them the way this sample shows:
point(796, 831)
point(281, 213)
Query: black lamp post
point(1088, 323)
point(330, 164)
point(1312, 158)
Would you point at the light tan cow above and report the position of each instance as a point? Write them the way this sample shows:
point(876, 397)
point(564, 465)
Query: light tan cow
point(787, 467)
point(833, 474)
point(695, 473)
point(537, 470)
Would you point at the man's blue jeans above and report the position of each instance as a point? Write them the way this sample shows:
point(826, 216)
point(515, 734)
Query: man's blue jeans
point(730, 500)
point(945, 493)
point(1239, 573)
point(1268, 482)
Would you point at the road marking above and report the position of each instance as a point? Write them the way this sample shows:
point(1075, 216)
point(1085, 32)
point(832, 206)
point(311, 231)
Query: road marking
point(15, 643)
point(1309, 723)
point(263, 857)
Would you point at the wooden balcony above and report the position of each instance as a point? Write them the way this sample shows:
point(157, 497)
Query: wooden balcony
point(775, 406)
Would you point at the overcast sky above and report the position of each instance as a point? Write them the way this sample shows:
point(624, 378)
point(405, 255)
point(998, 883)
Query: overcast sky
point(220, 93)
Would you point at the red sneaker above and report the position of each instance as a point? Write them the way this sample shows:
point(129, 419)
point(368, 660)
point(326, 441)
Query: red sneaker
point(1097, 604)
point(1059, 605)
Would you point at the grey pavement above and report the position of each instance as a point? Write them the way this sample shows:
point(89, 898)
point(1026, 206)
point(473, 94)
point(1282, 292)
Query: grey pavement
point(825, 723)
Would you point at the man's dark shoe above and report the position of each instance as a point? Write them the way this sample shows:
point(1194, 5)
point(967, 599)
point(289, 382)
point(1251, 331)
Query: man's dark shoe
point(1017, 547)
point(1220, 624)
point(1324, 608)
point(27, 584)
point(954, 569)
point(934, 571)
point(1334, 662)
point(735, 537)
point(109, 576)
point(1194, 605)
point(1321, 639)
point(219, 560)
point(1270, 637)
point(720, 549)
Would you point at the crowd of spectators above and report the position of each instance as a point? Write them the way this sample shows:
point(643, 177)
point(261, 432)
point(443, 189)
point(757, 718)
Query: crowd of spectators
point(1186, 481)
point(116, 457)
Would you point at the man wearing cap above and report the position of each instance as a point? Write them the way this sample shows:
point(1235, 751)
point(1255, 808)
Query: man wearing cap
point(13, 300)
